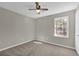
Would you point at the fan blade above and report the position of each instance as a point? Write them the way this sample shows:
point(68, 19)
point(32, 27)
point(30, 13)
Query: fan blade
point(43, 9)
point(31, 9)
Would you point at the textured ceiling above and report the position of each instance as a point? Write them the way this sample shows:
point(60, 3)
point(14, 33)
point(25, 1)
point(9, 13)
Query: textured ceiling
point(54, 7)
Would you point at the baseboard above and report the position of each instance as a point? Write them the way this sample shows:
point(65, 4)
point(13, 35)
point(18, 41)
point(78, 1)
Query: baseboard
point(15, 45)
point(38, 41)
point(56, 44)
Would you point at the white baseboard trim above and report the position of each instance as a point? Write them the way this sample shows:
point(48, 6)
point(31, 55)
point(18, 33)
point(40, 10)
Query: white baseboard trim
point(57, 44)
point(37, 40)
point(15, 45)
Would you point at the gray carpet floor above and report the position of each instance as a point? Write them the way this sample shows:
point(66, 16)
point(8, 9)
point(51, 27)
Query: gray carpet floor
point(37, 48)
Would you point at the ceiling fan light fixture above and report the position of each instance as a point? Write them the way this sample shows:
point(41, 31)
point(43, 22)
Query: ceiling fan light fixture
point(38, 11)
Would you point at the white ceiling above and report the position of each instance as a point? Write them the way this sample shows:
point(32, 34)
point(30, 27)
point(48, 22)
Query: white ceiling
point(53, 7)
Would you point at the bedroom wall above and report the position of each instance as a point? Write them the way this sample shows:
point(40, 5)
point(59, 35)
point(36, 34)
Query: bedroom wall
point(15, 29)
point(45, 29)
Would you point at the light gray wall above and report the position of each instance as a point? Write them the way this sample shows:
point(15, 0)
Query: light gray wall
point(45, 29)
point(15, 28)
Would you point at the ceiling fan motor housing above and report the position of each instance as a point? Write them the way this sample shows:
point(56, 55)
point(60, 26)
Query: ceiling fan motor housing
point(38, 7)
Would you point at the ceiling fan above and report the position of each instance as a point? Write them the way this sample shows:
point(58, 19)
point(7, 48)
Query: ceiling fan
point(38, 8)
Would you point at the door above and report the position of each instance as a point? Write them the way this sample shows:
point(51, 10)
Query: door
point(77, 31)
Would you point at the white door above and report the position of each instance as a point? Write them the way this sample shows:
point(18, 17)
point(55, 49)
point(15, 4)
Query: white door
point(77, 31)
